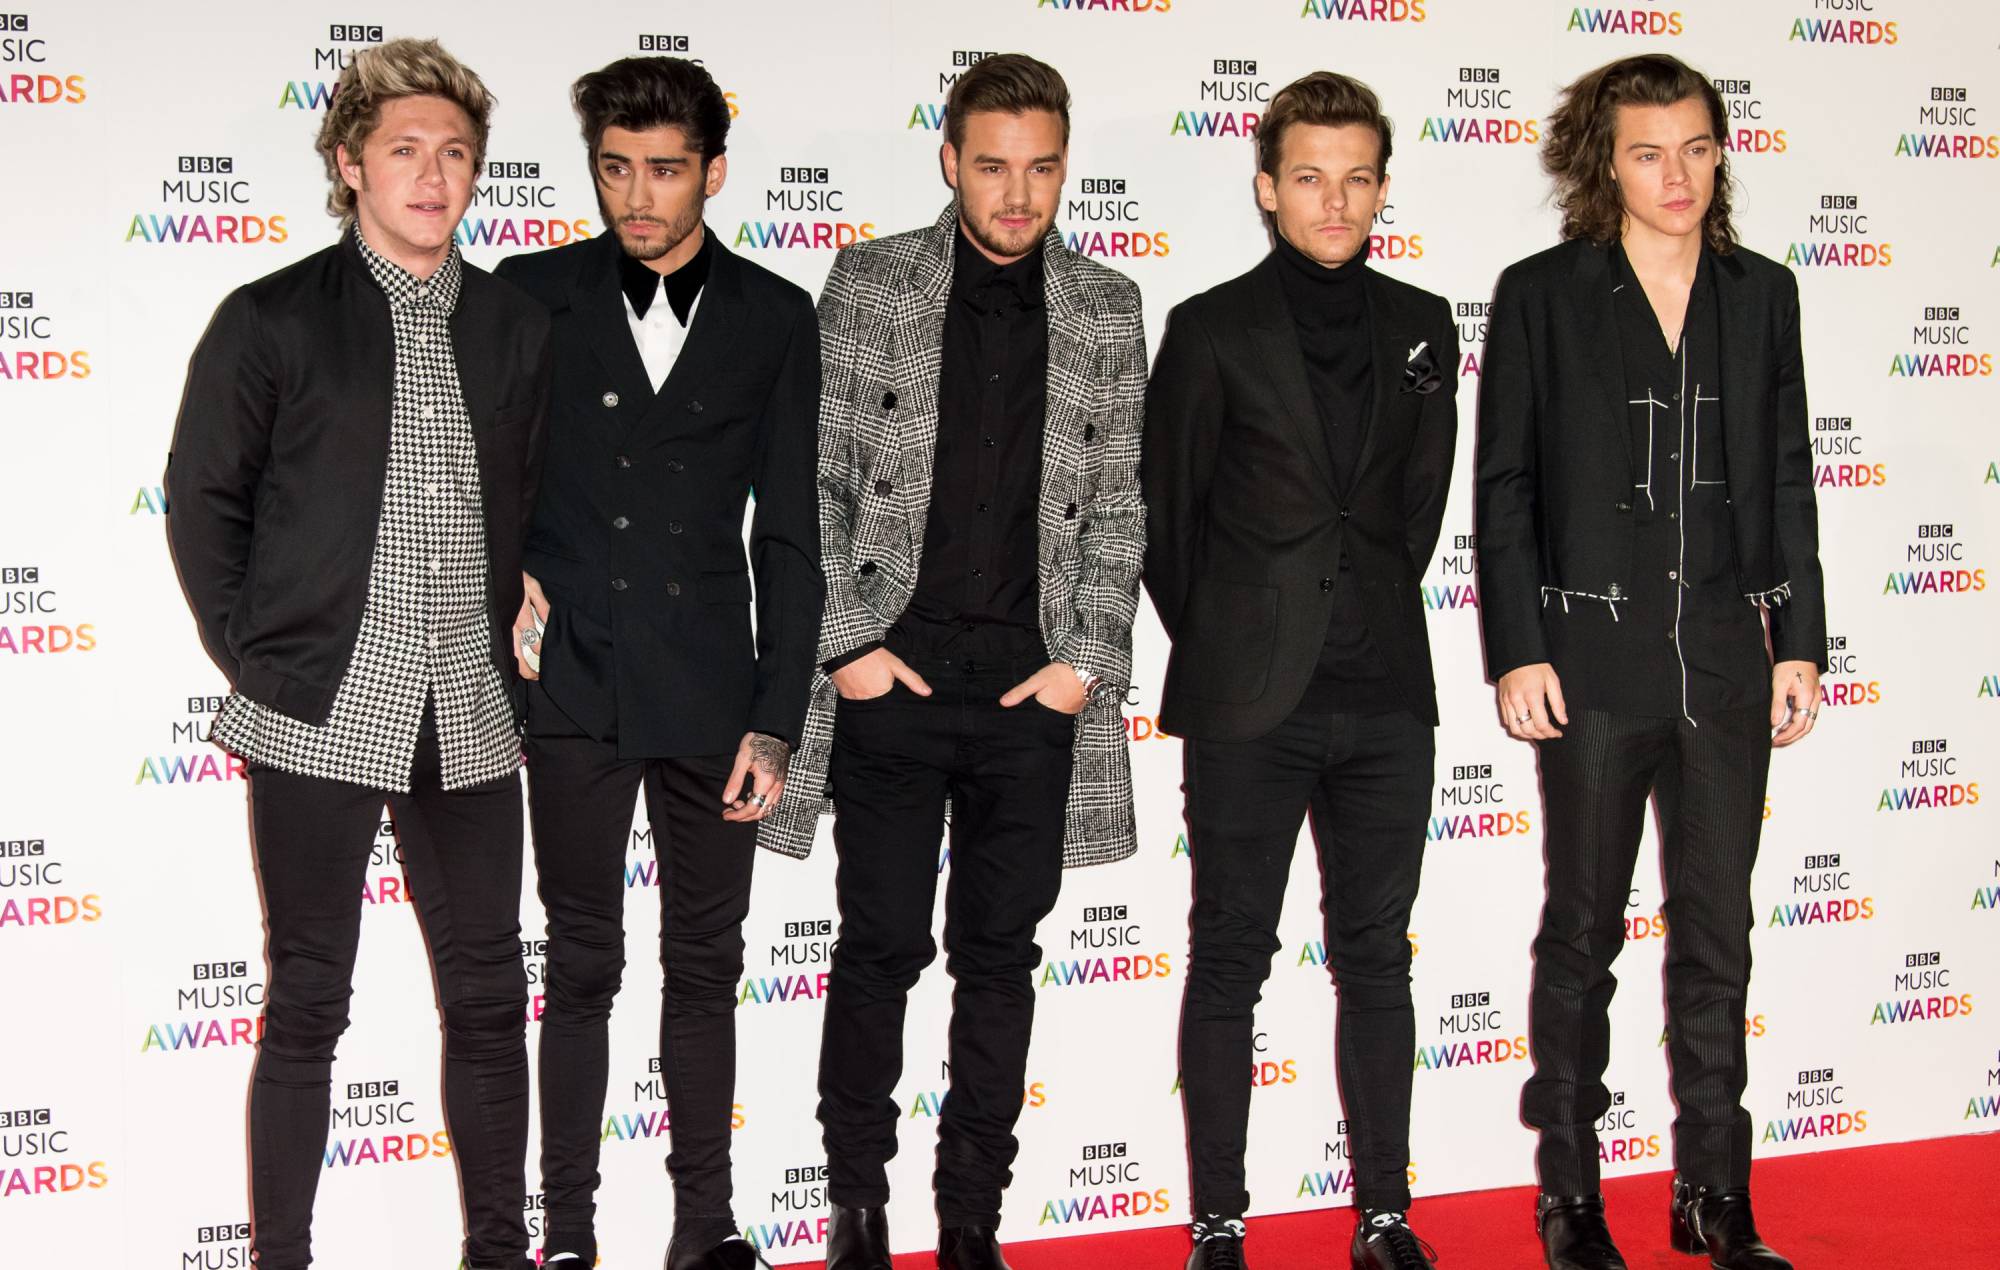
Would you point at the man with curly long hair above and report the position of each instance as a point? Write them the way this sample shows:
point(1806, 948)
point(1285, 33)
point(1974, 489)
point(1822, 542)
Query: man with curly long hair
point(1645, 503)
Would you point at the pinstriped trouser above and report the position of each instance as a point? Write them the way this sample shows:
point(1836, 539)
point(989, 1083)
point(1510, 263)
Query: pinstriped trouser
point(1709, 781)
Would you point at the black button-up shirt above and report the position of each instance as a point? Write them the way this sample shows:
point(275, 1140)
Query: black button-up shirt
point(976, 589)
point(1685, 641)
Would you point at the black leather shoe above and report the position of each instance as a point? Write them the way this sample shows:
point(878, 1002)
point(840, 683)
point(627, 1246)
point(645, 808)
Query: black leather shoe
point(969, 1248)
point(1218, 1245)
point(733, 1253)
point(858, 1239)
point(1574, 1236)
point(1718, 1225)
point(1384, 1241)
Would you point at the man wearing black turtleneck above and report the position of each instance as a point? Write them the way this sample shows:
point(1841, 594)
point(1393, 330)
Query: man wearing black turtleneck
point(1300, 425)
point(685, 377)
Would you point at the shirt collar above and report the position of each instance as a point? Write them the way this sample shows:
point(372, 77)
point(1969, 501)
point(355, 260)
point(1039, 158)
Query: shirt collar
point(641, 283)
point(973, 275)
point(405, 289)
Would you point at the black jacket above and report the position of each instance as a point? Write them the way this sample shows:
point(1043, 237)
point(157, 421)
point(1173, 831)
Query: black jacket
point(1556, 468)
point(1245, 524)
point(274, 482)
point(649, 634)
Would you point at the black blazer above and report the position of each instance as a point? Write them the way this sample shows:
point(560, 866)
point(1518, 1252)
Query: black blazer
point(637, 537)
point(1244, 524)
point(1556, 468)
point(274, 482)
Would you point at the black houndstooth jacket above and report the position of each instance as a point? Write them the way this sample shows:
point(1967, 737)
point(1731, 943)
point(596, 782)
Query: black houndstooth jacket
point(881, 348)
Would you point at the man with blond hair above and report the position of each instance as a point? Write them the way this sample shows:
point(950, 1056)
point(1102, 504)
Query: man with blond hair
point(352, 469)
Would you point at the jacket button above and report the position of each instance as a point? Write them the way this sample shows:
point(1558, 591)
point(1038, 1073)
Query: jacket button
point(674, 465)
point(888, 401)
point(1344, 513)
point(694, 407)
point(673, 588)
point(867, 566)
point(620, 523)
point(618, 584)
point(1326, 584)
point(610, 399)
point(673, 526)
point(1090, 432)
point(623, 460)
point(1623, 507)
point(884, 488)
point(1069, 513)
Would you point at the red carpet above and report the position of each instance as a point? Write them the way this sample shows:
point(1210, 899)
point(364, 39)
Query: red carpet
point(1826, 1211)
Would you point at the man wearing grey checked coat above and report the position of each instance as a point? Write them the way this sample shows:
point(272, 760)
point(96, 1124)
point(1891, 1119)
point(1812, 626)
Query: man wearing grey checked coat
point(981, 533)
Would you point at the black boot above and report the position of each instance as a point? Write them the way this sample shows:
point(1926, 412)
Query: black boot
point(1718, 1225)
point(969, 1248)
point(858, 1239)
point(1218, 1244)
point(1574, 1236)
point(1383, 1240)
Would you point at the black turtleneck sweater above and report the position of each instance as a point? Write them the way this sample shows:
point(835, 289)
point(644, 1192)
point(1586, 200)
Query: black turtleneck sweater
point(1329, 309)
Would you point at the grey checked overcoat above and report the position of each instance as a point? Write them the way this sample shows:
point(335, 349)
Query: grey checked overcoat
point(881, 347)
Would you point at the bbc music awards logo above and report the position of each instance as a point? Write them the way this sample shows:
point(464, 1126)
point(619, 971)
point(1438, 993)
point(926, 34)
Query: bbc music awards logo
point(1751, 128)
point(1846, 681)
point(1106, 1183)
point(798, 1209)
point(1986, 897)
point(644, 1116)
point(1855, 23)
point(37, 890)
point(801, 965)
point(1629, 19)
point(514, 206)
point(805, 208)
point(1361, 10)
point(681, 46)
point(1929, 779)
point(39, 1157)
point(343, 41)
point(1332, 1175)
point(1472, 1032)
point(1103, 218)
point(221, 1246)
point(1942, 120)
point(1456, 590)
point(1920, 991)
point(1473, 318)
point(372, 1122)
point(1823, 892)
point(1626, 1139)
point(26, 332)
point(205, 199)
point(1840, 456)
point(1935, 545)
point(1986, 1106)
point(218, 1005)
point(928, 1104)
point(1474, 806)
point(1476, 106)
point(27, 76)
point(1231, 101)
point(1106, 945)
point(27, 602)
point(191, 757)
point(1818, 1106)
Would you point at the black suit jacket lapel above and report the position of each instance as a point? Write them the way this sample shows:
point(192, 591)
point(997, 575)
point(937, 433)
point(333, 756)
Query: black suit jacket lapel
point(1276, 339)
point(599, 306)
point(1594, 324)
point(712, 331)
point(1391, 354)
point(1744, 346)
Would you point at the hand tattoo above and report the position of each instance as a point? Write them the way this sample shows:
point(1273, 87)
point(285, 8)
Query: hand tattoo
point(769, 755)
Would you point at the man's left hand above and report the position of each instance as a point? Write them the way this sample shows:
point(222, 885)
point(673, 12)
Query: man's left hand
point(1054, 685)
point(1794, 700)
point(763, 759)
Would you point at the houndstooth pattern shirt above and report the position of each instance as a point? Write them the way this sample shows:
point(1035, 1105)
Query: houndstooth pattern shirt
point(424, 627)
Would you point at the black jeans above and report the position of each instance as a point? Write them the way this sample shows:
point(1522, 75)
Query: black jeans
point(896, 759)
point(581, 797)
point(1365, 780)
point(462, 855)
point(1709, 780)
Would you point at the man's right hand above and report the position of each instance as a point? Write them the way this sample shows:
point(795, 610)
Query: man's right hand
point(1531, 703)
point(533, 604)
point(874, 675)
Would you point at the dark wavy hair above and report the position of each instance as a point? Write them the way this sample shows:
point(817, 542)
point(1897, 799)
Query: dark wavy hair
point(643, 93)
point(1328, 99)
point(1581, 132)
point(1010, 84)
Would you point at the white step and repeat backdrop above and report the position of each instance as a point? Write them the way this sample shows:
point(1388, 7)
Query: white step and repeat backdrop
point(158, 155)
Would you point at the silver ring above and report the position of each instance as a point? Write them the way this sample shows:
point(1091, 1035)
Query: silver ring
point(530, 638)
point(1524, 718)
point(758, 799)
point(1812, 714)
